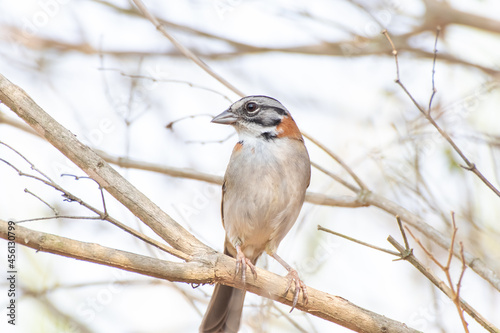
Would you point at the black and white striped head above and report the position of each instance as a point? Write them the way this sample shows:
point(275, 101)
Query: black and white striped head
point(259, 116)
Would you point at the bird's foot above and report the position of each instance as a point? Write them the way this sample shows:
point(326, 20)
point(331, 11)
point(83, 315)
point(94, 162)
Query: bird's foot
point(293, 278)
point(241, 264)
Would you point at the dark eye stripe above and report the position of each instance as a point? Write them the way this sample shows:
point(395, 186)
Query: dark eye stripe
point(264, 122)
point(266, 116)
point(280, 111)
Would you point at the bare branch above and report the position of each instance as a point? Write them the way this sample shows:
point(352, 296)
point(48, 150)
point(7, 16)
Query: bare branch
point(438, 30)
point(354, 176)
point(320, 228)
point(432, 234)
point(190, 272)
point(219, 269)
point(72, 198)
point(454, 294)
point(429, 274)
point(469, 165)
point(335, 177)
point(43, 201)
point(334, 49)
point(153, 79)
point(406, 253)
point(184, 50)
point(85, 158)
point(403, 233)
point(460, 309)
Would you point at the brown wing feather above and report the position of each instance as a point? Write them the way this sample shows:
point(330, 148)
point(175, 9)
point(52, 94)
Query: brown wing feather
point(222, 202)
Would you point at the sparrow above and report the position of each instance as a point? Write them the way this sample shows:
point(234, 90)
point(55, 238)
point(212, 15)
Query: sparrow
point(262, 194)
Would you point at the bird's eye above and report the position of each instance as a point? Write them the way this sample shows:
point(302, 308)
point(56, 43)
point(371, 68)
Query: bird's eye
point(251, 107)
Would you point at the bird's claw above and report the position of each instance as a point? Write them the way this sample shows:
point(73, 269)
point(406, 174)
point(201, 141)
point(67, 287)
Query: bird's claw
point(293, 278)
point(241, 265)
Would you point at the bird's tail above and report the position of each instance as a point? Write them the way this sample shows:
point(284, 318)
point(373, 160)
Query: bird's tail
point(223, 314)
point(224, 310)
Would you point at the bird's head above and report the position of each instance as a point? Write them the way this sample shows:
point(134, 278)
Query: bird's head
point(260, 116)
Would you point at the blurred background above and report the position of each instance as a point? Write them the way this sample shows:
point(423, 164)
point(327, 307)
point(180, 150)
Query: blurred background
point(104, 72)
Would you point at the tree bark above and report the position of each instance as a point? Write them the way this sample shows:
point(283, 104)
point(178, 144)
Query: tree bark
point(269, 285)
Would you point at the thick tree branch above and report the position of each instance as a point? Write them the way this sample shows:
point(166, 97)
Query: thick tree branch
point(191, 272)
point(94, 166)
point(269, 285)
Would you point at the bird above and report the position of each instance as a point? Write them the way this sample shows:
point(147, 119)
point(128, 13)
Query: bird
point(262, 194)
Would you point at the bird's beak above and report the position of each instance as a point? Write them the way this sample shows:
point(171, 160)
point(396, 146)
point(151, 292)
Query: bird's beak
point(226, 117)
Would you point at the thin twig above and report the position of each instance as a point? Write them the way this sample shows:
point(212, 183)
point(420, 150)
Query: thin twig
point(459, 284)
point(72, 198)
point(403, 233)
point(32, 166)
point(438, 30)
point(56, 212)
point(406, 253)
point(104, 208)
point(361, 184)
point(184, 50)
point(452, 243)
point(171, 124)
point(429, 274)
point(105, 213)
point(469, 165)
point(394, 52)
point(153, 79)
point(454, 291)
point(59, 217)
point(358, 241)
point(335, 177)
